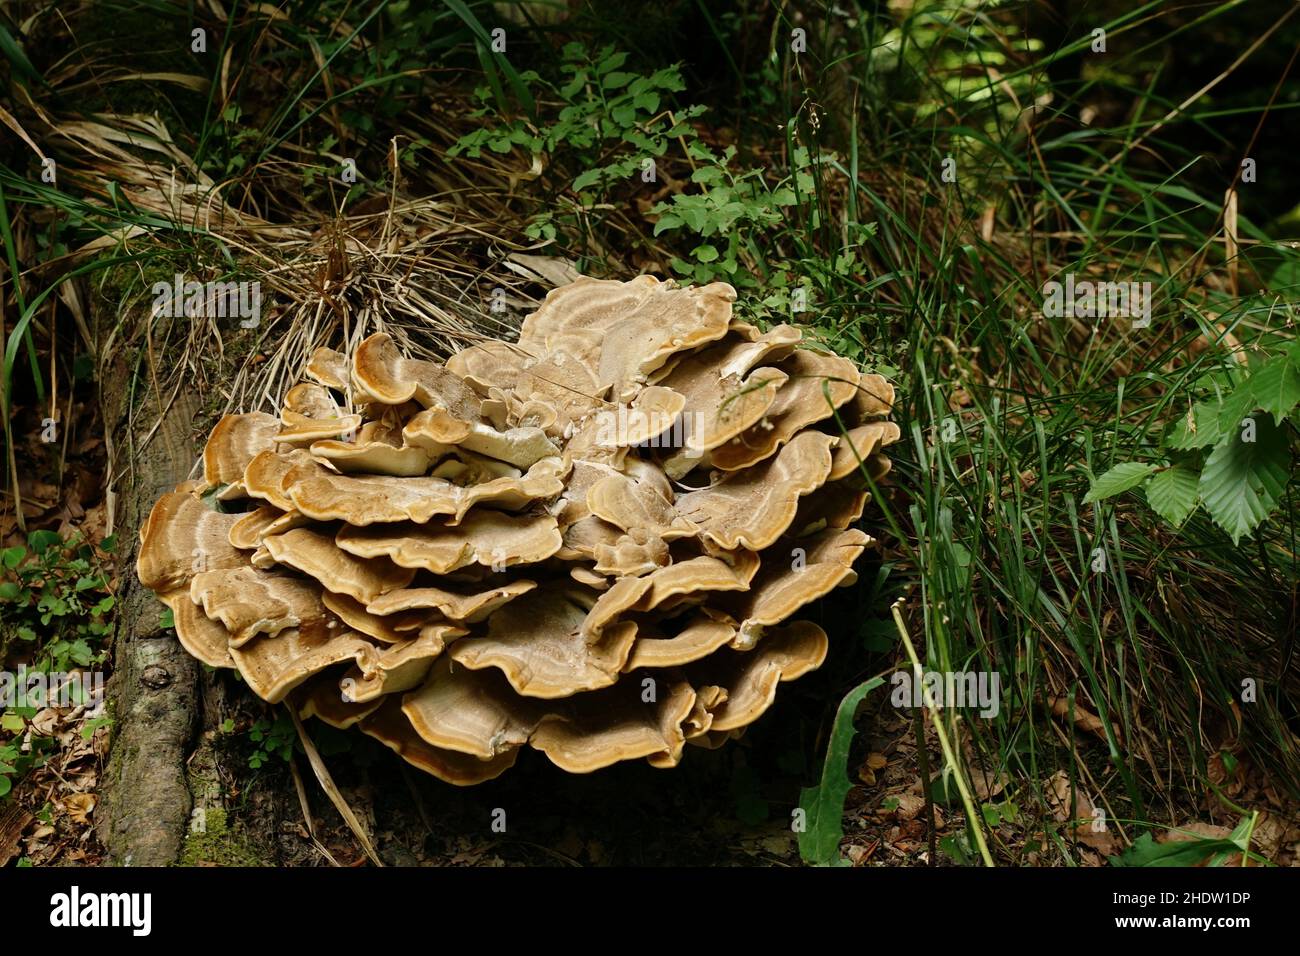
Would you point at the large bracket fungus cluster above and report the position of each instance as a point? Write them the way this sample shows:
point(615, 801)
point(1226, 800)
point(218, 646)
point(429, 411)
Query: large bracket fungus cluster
point(591, 542)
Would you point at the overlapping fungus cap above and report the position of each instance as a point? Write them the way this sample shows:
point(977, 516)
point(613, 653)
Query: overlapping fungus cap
point(594, 541)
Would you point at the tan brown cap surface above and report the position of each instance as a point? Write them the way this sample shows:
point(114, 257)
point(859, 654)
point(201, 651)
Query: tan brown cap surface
point(235, 441)
point(181, 537)
point(590, 543)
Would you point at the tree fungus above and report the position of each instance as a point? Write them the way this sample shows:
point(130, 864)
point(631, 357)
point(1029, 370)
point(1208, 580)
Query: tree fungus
point(593, 541)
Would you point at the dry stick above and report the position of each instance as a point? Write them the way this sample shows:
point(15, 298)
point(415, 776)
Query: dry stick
point(1231, 197)
point(54, 369)
point(13, 468)
point(306, 814)
point(331, 790)
point(948, 753)
point(66, 420)
point(4, 409)
point(923, 758)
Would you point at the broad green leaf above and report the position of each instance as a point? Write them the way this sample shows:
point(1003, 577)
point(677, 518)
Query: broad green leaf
point(1240, 835)
point(823, 805)
point(1236, 407)
point(1172, 493)
point(1198, 429)
point(1275, 387)
point(1122, 477)
point(1286, 277)
point(1243, 480)
point(1147, 852)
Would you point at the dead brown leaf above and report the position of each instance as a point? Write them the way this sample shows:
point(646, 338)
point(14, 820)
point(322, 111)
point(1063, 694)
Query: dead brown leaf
point(1086, 823)
point(79, 807)
point(909, 805)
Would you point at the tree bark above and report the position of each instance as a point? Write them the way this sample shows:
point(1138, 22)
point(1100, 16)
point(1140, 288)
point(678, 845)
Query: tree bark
point(153, 694)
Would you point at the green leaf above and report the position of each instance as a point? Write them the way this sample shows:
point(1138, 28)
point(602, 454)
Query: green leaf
point(42, 541)
point(13, 52)
point(611, 62)
point(589, 178)
point(1121, 478)
point(668, 221)
point(1275, 387)
point(1199, 429)
point(1146, 852)
point(12, 557)
point(1172, 493)
point(5, 785)
point(1243, 480)
point(55, 605)
point(88, 729)
point(1286, 277)
point(1235, 408)
point(823, 805)
point(707, 175)
point(959, 849)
